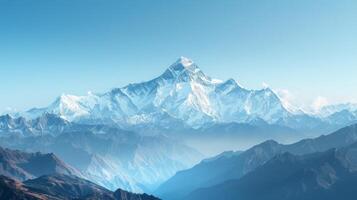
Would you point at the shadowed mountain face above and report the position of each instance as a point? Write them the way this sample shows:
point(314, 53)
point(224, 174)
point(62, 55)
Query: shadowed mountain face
point(64, 187)
point(124, 195)
point(22, 166)
point(319, 176)
point(12, 189)
point(222, 168)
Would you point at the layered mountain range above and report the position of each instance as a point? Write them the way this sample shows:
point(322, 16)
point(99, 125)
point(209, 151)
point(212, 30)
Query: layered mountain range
point(234, 165)
point(319, 176)
point(185, 96)
point(106, 155)
point(141, 136)
point(38, 176)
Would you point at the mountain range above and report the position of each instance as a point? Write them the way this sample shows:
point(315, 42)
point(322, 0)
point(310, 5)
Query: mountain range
point(45, 176)
point(108, 156)
point(325, 175)
point(185, 103)
point(184, 96)
point(231, 165)
point(151, 137)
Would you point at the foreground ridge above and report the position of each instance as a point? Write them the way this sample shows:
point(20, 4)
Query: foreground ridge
point(60, 186)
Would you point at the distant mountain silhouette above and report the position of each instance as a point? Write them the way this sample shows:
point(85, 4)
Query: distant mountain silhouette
point(222, 168)
point(328, 175)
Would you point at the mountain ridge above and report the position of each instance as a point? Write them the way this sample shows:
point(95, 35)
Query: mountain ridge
point(222, 168)
point(23, 166)
point(323, 175)
point(185, 94)
point(182, 88)
point(62, 187)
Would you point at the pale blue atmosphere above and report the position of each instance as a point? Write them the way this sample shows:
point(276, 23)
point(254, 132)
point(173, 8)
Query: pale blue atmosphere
point(50, 47)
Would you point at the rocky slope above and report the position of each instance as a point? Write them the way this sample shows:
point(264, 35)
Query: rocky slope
point(62, 187)
point(22, 166)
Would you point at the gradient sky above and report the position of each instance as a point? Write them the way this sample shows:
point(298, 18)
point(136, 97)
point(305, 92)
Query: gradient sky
point(307, 48)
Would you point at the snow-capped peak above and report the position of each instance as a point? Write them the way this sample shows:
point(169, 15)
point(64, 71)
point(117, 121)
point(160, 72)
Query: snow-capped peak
point(183, 92)
point(185, 70)
point(184, 64)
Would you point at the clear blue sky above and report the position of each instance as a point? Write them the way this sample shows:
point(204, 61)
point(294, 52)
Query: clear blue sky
point(50, 47)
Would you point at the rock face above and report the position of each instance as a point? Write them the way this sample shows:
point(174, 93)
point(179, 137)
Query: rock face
point(124, 195)
point(61, 187)
point(22, 166)
point(327, 175)
point(67, 187)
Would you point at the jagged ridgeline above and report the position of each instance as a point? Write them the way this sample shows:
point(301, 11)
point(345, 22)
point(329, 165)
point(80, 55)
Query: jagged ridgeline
point(185, 96)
